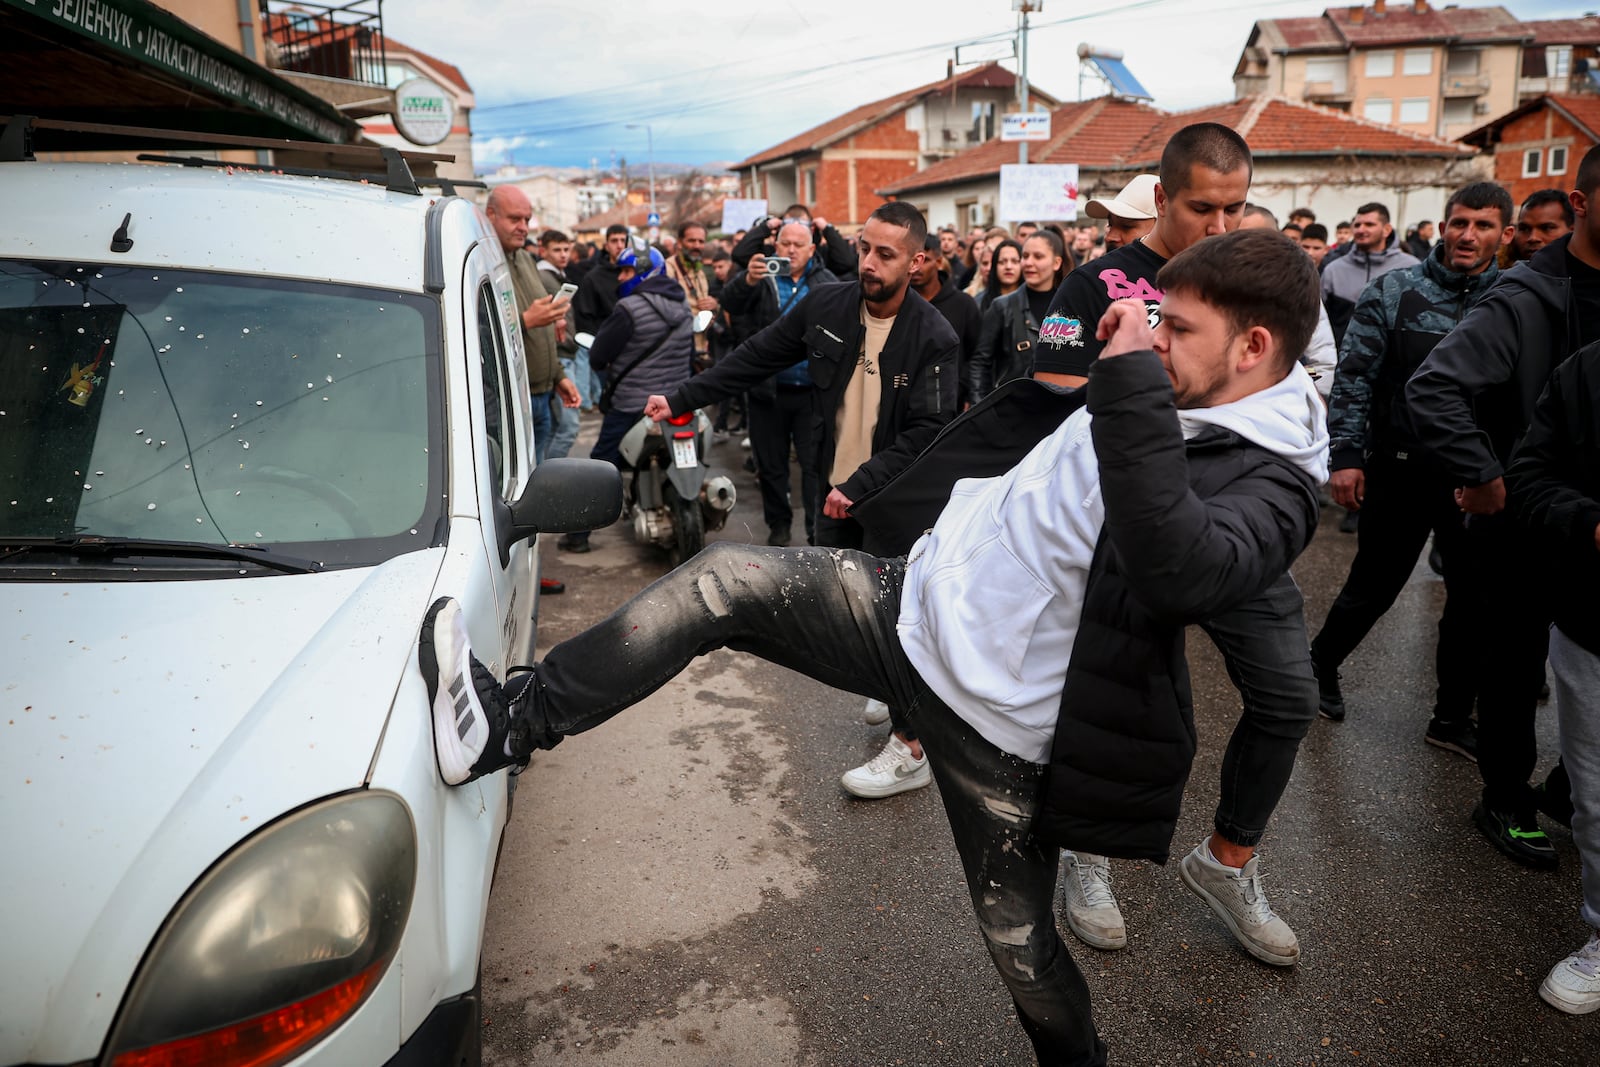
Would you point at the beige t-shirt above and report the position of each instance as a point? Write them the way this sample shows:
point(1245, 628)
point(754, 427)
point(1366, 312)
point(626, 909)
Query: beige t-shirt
point(858, 409)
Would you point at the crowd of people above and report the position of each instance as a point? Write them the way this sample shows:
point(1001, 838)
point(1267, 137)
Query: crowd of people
point(1029, 459)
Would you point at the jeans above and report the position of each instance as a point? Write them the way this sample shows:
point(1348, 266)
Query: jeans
point(1404, 501)
point(542, 425)
point(830, 614)
point(567, 420)
point(1263, 644)
point(607, 446)
point(1577, 699)
point(588, 383)
point(788, 418)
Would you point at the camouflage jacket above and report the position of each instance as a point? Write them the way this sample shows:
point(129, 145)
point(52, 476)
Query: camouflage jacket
point(1396, 322)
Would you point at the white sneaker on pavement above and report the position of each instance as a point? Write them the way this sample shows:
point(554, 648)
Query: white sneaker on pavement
point(1573, 985)
point(1235, 894)
point(894, 770)
point(1088, 903)
point(876, 713)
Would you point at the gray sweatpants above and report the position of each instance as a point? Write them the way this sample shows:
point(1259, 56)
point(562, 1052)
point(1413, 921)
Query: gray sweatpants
point(1577, 699)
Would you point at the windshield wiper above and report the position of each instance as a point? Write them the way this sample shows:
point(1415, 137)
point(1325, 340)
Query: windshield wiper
point(93, 545)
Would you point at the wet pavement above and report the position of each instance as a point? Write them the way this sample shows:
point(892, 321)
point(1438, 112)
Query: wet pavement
point(687, 884)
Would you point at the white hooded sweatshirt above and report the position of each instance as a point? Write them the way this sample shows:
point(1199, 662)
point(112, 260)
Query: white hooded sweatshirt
point(994, 592)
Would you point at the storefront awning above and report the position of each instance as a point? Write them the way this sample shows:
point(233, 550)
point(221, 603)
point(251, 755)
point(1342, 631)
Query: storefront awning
point(128, 62)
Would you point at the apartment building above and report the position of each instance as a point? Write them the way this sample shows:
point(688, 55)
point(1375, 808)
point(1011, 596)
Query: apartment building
point(1436, 71)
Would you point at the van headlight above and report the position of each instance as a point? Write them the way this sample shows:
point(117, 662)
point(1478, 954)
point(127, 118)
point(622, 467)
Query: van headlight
point(278, 943)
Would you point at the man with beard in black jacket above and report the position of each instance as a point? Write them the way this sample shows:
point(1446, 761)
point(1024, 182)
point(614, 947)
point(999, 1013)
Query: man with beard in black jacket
point(1470, 403)
point(1036, 632)
point(884, 371)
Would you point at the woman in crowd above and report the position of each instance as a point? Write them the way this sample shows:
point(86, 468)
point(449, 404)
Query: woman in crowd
point(1005, 273)
point(1011, 322)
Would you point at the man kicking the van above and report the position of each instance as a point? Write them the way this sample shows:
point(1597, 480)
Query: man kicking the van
point(1023, 653)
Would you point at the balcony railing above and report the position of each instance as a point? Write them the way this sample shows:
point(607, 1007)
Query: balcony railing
point(1456, 85)
point(331, 40)
point(1325, 91)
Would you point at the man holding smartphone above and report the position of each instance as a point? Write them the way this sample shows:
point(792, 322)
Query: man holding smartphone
point(543, 315)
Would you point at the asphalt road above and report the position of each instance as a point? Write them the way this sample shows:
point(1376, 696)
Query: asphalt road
point(688, 885)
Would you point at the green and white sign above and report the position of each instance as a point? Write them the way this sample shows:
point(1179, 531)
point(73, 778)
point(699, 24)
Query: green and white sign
point(423, 111)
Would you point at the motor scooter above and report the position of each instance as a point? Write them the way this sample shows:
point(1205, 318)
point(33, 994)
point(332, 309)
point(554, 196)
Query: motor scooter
point(667, 488)
point(669, 491)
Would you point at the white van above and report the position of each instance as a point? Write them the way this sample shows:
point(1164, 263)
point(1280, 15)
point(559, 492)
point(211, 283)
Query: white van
point(251, 427)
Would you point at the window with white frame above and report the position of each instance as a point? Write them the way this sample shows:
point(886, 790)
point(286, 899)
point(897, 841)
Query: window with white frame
point(1417, 61)
point(1530, 162)
point(1380, 64)
point(1558, 159)
point(1558, 60)
point(1414, 110)
point(1378, 109)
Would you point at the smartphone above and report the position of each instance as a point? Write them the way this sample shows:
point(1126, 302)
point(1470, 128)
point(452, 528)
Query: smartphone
point(565, 292)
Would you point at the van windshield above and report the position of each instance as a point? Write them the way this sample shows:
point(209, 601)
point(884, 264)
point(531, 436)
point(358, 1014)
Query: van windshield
point(170, 405)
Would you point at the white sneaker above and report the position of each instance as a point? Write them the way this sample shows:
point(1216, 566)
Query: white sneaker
point(470, 724)
point(1235, 894)
point(744, 443)
point(894, 770)
point(876, 713)
point(1088, 903)
point(1573, 985)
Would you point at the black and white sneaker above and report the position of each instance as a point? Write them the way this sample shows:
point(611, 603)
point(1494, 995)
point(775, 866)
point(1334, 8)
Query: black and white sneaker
point(471, 722)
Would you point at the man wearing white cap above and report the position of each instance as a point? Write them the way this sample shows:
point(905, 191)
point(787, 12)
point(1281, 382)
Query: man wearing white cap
point(1130, 214)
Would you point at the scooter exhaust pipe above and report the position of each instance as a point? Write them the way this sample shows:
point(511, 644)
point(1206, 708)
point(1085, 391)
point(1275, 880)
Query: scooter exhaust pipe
point(717, 497)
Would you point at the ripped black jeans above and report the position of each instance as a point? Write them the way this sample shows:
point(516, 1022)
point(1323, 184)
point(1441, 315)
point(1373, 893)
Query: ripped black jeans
point(830, 614)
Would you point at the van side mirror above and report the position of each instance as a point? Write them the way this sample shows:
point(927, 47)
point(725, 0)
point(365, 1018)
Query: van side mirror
point(563, 495)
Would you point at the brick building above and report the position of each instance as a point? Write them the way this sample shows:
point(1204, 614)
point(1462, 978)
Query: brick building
point(835, 168)
point(1540, 144)
point(1305, 156)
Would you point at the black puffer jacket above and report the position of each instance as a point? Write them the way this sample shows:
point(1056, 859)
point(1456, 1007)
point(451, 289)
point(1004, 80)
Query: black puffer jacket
point(1192, 530)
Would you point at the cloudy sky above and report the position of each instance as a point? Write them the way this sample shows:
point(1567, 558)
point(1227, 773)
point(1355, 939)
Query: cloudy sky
point(559, 83)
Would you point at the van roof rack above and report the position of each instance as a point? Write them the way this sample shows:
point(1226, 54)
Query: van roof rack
point(24, 135)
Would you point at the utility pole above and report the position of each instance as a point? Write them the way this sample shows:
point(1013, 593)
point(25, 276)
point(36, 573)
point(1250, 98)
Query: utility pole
point(650, 148)
point(1023, 9)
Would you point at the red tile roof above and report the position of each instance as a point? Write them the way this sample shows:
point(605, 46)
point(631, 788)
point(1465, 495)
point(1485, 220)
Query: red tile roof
point(1109, 134)
point(988, 76)
point(1093, 133)
point(1310, 34)
point(1339, 29)
point(449, 71)
point(1401, 23)
point(707, 211)
point(1564, 31)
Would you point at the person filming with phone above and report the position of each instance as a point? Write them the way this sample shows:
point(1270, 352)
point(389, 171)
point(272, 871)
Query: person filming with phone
point(781, 408)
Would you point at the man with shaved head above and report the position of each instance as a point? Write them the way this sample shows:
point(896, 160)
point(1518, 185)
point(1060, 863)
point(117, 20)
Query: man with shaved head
point(543, 318)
